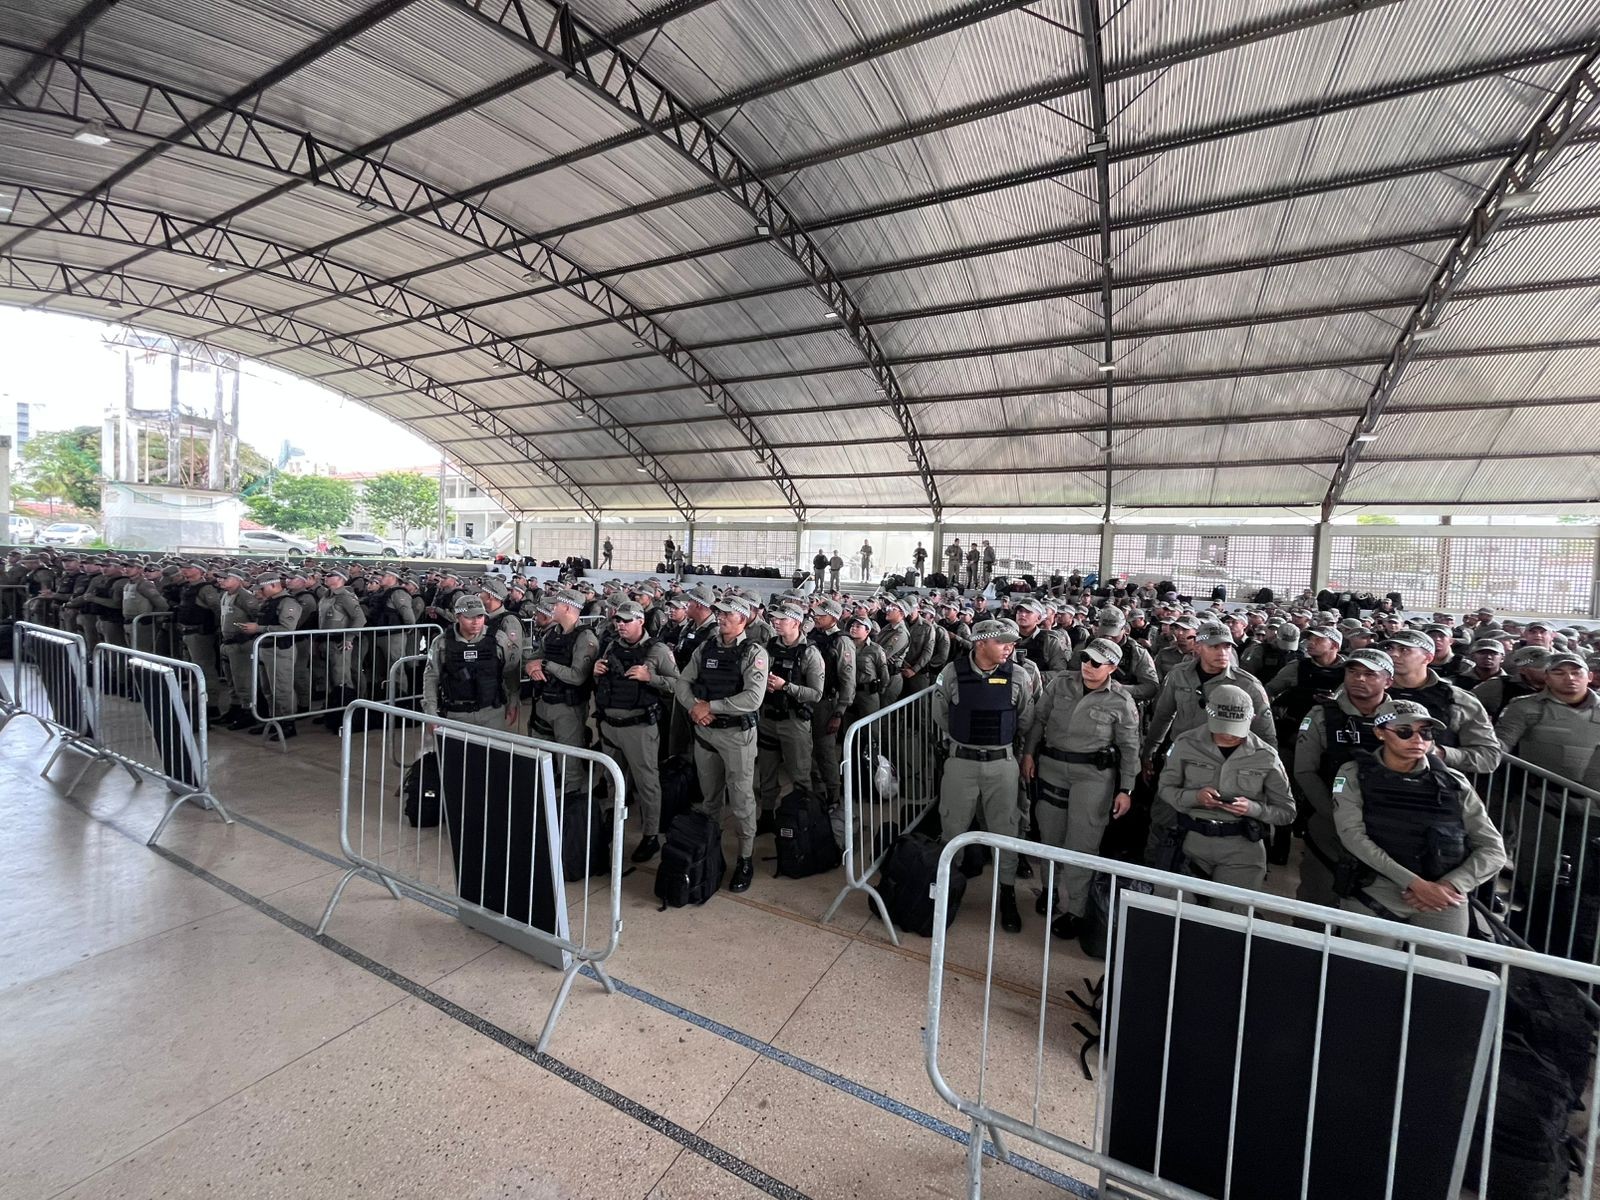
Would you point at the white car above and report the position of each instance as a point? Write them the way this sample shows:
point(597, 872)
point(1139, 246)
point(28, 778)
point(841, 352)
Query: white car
point(270, 541)
point(69, 533)
point(352, 542)
point(22, 531)
point(459, 547)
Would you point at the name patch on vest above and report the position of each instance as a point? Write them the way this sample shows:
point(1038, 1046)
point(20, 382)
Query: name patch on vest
point(711, 663)
point(470, 655)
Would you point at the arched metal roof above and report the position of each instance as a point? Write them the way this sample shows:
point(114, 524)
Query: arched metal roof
point(723, 256)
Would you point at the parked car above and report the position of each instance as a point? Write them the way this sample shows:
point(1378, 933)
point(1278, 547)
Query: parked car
point(353, 542)
point(459, 547)
point(69, 533)
point(270, 541)
point(22, 531)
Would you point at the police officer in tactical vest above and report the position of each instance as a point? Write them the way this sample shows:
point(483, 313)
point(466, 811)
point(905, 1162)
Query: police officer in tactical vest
point(872, 668)
point(1416, 838)
point(981, 705)
point(795, 679)
point(1557, 728)
point(722, 688)
point(562, 666)
point(339, 609)
point(634, 675)
point(278, 613)
point(838, 694)
point(1464, 736)
point(471, 672)
point(700, 621)
point(235, 605)
point(195, 614)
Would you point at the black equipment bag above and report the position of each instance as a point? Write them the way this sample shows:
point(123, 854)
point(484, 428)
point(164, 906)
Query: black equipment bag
point(908, 875)
point(1095, 936)
point(680, 788)
point(691, 861)
point(805, 836)
point(8, 630)
point(421, 787)
point(585, 838)
point(938, 579)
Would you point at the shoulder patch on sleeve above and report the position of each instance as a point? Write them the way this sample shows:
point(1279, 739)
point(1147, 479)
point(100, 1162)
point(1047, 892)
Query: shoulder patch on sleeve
point(1305, 724)
point(1338, 785)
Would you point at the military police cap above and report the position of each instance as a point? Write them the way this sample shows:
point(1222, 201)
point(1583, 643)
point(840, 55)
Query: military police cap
point(830, 608)
point(864, 622)
point(679, 600)
point(737, 605)
point(1109, 618)
point(494, 586)
point(1212, 634)
point(269, 577)
point(1565, 658)
point(628, 611)
point(1540, 623)
point(1414, 638)
point(1351, 625)
point(341, 572)
point(1288, 635)
point(703, 594)
point(1326, 631)
point(1103, 651)
point(1373, 660)
point(1229, 710)
point(1187, 622)
point(787, 612)
point(468, 605)
point(1487, 645)
point(570, 597)
point(1000, 631)
point(1401, 710)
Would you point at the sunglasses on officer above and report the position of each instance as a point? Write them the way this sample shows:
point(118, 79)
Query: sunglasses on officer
point(1406, 732)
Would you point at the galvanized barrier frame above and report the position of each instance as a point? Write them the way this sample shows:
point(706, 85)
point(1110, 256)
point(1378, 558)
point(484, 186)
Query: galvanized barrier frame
point(862, 822)
point(575, 951)
point(79, 739)
point(423, 632)
point(161, 629)
point(193, 736)
point(1187, 889)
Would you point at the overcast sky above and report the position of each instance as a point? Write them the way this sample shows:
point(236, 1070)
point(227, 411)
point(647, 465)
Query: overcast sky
point(62, 364)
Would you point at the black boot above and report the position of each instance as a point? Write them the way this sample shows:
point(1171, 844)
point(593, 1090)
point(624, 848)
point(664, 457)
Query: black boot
point(1038, 905)
point(1010, 918)
point(282, 733)
point(744, 870)
point(1024, 867)
point(649, 847)
point(1066, 926)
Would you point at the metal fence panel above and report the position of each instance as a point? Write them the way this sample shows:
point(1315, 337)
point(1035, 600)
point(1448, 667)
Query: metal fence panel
point(1019, 1081)
point(517, 828)
point(50, 683)
point(890, 779)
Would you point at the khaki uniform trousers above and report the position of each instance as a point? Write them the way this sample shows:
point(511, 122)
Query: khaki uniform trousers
point(971, 787)
point(1077, 823)
point(725, 760)
point(637, 749)
point(782, 743)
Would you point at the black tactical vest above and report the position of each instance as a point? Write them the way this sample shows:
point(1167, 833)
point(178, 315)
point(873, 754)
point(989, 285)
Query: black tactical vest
point(558, 648)
point(983, 713)
point(692, 639)
point(614, 689)
point(721, 670)
point(1440, 701)
point(472, 675)
point(269, 614)
point(1416, 819)
point(784, 660)
point(1311, 679)
point(1344, 736)
point(828, 644)
point(191, 613)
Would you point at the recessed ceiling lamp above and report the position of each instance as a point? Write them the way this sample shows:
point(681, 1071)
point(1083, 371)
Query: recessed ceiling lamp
point(832, 314)
point(92, 133)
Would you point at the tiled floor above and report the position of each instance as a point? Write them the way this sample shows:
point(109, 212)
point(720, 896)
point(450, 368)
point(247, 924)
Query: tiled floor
point(169, 1026)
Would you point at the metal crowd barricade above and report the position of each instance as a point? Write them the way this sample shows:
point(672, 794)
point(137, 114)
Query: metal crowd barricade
point(50, 683)
point(902, 736)
point(155, 633)
point(1025, 1070)
point(517, 828)
point(150, 716)
point(1550, 889)
point(12, 598)
point(314, 672)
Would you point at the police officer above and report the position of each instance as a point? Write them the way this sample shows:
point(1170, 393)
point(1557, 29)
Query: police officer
point(981, 706)
point(1310, 679)
point(561, 665)
point(1135, 669)
point(895, 638)
point(838, 694)
point(1225, 784)
point(1525, 678)
point(471, 672)
point(140, 597)
point(722, 688)
point(339, 609)
point(309, 652)
point(1083, 747)
point(1485, 660)
point(920, 644)
point(632, 677)
point(1179, 634)
point(700, 626)
point(389, 605)
point(110, 624)
point(1420, 837)
point(277, 613)
point(795, 680)
point(872, 668)
point(1557, 728)
point(236, 605)
point(1464, 736)
point(1329, 735)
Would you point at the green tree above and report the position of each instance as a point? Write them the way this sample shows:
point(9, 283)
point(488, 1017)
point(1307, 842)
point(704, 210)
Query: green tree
point(401, 502)
point(1375, 519)
point(304, 504)
point(62, 468)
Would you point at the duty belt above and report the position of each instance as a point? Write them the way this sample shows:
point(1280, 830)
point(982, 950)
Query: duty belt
point(733, 721)
point(1104, 758)
point(977, 754)
point(1214, 829)
point(649, 717)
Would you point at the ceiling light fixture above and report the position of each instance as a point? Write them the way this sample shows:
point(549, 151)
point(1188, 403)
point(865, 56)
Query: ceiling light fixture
point(709, 402)
point(1515, 201)
point(637, 344)
point(1423, 333)
point(763, 229)
point(642, 469)
point(1105, 368)
point(1097, 147)
point(832, 314)
point(217, 267)
point(367, 204)
point(1366, 437)
point(92, 133)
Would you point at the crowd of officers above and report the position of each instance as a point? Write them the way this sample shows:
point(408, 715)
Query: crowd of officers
point(1221, 733)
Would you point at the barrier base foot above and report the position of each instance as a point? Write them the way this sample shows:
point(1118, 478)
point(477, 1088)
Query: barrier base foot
point(879, 909)
point(333, 900)
point(204, 801)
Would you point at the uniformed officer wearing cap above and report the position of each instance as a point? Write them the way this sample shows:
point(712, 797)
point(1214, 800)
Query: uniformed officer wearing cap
point(309, 651)
point(1484, 660)
point(722, 688)
point(1557, 728)
point(633, 676)
point(1135, 670)
point(142, 596)
point(1464, 736)
point(920, 642)
point(895, 638)
point(561, 665)
point(872, 669)
point(1225, 784)
point(388, 604)
point(110, 624)
point(1179, 632)
point(838, 694)
point(1525, 677)
point(700, 627)
point(1034, 639)
point(236, 605)
point(471, 673)
point(981, 706)
point(339, 609)
point(795, 679)
point(1332, 731)
point(1083, 746)
point(277, 613)
point(1418, 832)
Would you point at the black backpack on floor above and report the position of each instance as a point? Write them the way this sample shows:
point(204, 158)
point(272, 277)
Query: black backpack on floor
point(420, 788)
point(909, 871)
point(805, 836)
point(585, 838)
point(1095, 936)
point(691, 861)
point(680, 788)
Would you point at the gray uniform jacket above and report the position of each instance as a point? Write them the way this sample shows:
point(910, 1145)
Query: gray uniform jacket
point(1253, 771)
point(143, 597)
point(1309, 746)
point(1560, 737)
point(895, 641)
point(871, 667)
point(945, 694)
point(340, 610)
point(1180, 707)
point(1486, 852)
point(288, 619)
point(234, 607)
point(919, 646)
point(844, 693)
point(1136, 661)
point(1167, 658)
point(747, 699)
point(510, 662)
point(1070, 718)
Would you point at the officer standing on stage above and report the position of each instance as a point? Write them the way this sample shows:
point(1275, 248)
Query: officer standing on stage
point(471, 674)
point(981, 705)
point(722, 688)
point(838, 694)
point(561, 665)
point(632, 678)
point(1083, 746)
point(1419, 835)
point(795, 679)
